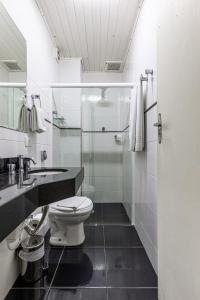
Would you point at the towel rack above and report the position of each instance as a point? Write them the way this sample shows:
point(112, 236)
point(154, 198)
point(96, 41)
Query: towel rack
point(147, 72)
point(33, 97)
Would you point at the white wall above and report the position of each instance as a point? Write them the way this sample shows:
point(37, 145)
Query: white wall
point(70, 70)
point(41, 70)
point(102, 77)
point(4, 74)
point(140, 193)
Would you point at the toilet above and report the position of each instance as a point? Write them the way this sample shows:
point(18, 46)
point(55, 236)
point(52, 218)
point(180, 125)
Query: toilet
point(66, 220)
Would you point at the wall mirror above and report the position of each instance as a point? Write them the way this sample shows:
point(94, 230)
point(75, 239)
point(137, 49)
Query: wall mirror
point(13, 70)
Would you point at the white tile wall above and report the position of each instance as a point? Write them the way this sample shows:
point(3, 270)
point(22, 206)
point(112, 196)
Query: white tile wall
point(127, 177)
point(140, 192)
point(146, 200)
point(12, 143)
point(41, 71)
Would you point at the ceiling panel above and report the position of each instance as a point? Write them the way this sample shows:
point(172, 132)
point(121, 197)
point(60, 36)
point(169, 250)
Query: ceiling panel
point(96, 30)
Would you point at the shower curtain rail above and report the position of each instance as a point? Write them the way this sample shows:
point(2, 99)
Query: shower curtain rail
point(13, 84)
point(93, 85)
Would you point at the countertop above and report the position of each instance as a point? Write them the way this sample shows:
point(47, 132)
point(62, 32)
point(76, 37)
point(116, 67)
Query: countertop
point(21, 195)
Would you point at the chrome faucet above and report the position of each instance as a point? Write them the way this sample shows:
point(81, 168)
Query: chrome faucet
point(21, 183)
point(21, 163)
point(24, 163)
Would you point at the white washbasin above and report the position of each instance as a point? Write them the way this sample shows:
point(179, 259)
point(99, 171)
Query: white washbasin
point(44, 172)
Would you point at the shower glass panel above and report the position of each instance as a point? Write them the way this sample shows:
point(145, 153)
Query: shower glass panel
point(66, 116)
point(90, 129)
point(104, 122)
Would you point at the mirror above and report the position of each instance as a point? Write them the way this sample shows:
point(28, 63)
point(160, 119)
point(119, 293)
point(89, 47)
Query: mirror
point(13, 70)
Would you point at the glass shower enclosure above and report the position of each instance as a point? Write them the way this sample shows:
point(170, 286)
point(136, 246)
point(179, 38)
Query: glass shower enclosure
point(91, 133)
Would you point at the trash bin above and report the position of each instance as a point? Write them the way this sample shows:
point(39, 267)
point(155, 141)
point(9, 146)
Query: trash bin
point(32, 258)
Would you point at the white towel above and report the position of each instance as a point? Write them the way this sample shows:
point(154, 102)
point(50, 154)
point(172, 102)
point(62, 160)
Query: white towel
point(136, 123)
point(132, 118)
point(24, 119)
point(37, 120)
point(139, 139)
point(150, 92)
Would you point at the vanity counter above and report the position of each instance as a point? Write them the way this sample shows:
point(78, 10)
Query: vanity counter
point(21, 195)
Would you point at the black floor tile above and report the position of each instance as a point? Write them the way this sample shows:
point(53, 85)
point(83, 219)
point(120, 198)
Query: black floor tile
point(26, 294)
point(83, 273)
point(108, 213)
point(116, 220)
point(113, 209)
point(129, 267)
point(97, 216)
point(130, 278)
point(94, 236)
point(52, 256)
point(78, 294)
point(132, 294)
point(81, 267)
point(114, 213)
point(127, 258)
point(121, 236)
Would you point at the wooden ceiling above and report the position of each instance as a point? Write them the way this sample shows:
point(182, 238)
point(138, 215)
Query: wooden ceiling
point(96, 30)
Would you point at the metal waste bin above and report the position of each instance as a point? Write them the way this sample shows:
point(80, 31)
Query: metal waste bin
point(32, 258)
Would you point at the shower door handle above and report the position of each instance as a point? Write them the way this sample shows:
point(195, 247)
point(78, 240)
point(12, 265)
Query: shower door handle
point(159, 125)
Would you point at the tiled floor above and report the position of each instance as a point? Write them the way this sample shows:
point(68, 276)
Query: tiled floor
point(111, 265)
point(108, 214)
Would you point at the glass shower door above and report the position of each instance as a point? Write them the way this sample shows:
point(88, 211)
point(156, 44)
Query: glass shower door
point(104, 119)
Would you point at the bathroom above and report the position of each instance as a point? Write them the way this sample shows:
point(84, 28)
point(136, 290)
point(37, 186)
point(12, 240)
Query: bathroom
point(99, 149)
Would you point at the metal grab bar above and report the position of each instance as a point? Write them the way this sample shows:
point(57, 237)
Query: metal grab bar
point(105, 131)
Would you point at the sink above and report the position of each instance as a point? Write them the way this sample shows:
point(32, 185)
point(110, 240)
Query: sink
point(46, 171)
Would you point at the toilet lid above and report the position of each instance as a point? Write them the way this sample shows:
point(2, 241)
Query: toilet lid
point(73, 204)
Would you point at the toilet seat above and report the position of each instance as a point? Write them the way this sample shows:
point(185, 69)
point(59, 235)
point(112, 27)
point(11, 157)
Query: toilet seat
point(72, 206)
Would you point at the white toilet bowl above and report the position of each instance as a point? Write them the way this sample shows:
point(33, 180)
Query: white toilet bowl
point(66, 220)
